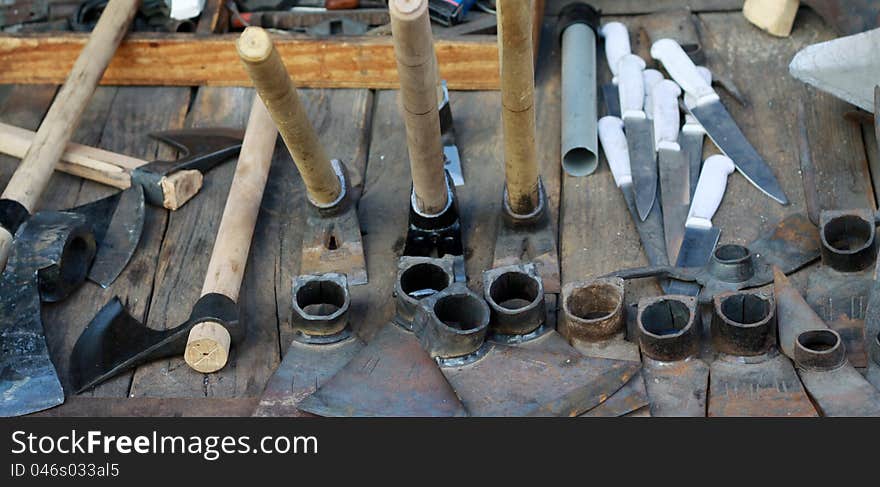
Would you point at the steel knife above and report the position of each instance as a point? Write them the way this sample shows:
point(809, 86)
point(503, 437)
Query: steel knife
point(700, 236)
point(639, 132)
point(718, 123)
point(616, 39)
point(614, 144)
point(675, 196)
point(692, 136)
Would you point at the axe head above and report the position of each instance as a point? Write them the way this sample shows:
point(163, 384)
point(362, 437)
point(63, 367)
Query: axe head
point(201, 150)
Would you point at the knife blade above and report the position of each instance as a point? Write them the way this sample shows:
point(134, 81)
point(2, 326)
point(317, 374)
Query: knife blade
point(672, 165)
point(692, 136)
point(700, 236)
point(717, 121)
point(614, 144)
point(639, 132)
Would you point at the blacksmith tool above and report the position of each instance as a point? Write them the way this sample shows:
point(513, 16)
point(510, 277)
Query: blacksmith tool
point(451, 155)
point(323, 342)
point(593, 320)
point(791, 245)
point(498, 377)
point(578, 27)
point(839, 289)
point(167, 184)
point(650, 78)
point(872, 332)
point(639, 132)
point(434, 225)
point(821, 357)
point(676, 379)
point(700, 236)
point(52, 252)
point(650, 230)
point(115, 341)
point(673, 168)
point(393, 375)
point(846, 67)
point(332, 236)
point(716, 120)
point(750, 377)
point(526, 232)
point(617, 45)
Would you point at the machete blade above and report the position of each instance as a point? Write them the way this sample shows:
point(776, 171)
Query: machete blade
point(117, 222)
point(727, 136)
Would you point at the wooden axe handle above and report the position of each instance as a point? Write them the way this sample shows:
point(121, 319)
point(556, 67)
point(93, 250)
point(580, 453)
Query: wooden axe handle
point(105, 167)
point(276, 89)
point(32, 176)
point(207, 348)
point(417, 70)
point(518, 103)
point(774, 16)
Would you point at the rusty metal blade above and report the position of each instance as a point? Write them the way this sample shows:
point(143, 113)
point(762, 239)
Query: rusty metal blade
point(632, 397)
point(762, 386)
point(677, 388)
point(303, 370)
point(391, 376)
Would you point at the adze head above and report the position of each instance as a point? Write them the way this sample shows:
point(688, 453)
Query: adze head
point(173, 183)
point(115, 341)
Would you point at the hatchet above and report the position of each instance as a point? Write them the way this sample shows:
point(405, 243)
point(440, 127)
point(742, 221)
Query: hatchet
point(27, 184)
point(115, 341)
point(166, 183)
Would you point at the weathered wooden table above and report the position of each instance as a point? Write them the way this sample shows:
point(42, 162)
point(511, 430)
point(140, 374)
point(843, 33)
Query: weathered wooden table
point(363, 128)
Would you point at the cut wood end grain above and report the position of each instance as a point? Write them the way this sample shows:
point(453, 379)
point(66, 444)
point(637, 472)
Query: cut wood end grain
point(207, 349)
point(179, 187)
point(254, 45)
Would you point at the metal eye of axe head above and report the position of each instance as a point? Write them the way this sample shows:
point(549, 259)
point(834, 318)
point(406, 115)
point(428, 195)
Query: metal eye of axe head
point(52, 252)
point(434, 228)
point(676, 380)
point(332, 237)
point(821, 357)
point(750, 377)
point(526, 233)
point(115, 341)
point(393, 375)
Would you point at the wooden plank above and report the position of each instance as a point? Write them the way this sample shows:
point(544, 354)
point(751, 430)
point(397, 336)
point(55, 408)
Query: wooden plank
point(101, 407)
point(186, 60)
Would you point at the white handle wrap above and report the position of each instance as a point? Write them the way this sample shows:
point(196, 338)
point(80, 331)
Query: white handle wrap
point(614, 144)
point(631, 86)
point(616, 44)
point(682, 70)
point(710, 191)
point(666, 114)
point(689, 101)
point(651, 77)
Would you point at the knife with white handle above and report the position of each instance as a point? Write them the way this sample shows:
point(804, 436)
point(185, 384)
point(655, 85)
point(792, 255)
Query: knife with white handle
point(651, 77)
point(692, 136)
point(672, 165)
point(639, 132)
point(616, 39)
point(614, 144)
point(700, 236)
point(715, 118)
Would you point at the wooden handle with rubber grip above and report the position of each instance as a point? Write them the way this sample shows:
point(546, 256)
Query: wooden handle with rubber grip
point(417, 70)
point(32, 176)
point(518, 104)
point(274, 86)
point(207, 348)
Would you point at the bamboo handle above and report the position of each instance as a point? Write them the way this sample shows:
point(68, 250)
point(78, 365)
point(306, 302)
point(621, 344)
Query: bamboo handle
point(276, 89)
point(417, 70)
point(207, 348)
point(32, 176)
point(518, 104)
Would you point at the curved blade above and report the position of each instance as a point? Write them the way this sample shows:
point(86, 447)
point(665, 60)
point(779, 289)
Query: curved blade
point(118, 222)
point(203, 148)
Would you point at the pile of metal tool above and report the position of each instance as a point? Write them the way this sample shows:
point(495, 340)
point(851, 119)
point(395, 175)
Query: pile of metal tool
point(526, 346)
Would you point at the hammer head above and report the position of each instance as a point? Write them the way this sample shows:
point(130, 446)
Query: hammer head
point(201, 150)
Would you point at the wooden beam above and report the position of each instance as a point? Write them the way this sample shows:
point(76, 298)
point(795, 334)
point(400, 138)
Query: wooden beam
point(192, 60)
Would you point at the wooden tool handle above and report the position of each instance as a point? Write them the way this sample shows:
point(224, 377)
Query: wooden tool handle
point(518, 104)
point(774, 16)
point(417, 70)
point(276, 89)
point(207, 347)
point(30, 179)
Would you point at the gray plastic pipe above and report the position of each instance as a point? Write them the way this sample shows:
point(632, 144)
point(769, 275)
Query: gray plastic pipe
point(579, 117)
